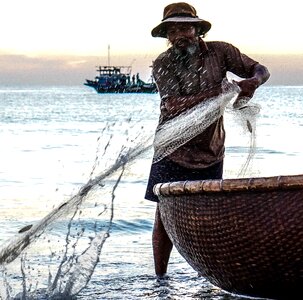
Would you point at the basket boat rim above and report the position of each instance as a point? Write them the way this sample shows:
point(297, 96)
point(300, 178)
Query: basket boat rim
point(229, 185)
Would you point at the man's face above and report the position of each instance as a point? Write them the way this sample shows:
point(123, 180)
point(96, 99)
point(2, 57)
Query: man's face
point(181, 35)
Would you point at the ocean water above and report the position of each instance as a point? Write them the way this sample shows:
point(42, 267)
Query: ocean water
point(54, 140)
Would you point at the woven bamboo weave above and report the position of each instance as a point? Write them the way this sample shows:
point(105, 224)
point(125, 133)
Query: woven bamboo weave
point(244, 235)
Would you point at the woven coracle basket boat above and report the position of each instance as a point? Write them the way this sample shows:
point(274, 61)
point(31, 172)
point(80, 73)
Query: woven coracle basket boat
point(244, 235)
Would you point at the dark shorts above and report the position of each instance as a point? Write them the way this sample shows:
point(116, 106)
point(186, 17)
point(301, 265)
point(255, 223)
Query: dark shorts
point(166, 170)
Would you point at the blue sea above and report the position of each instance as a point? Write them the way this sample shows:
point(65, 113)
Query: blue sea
point(56, 140)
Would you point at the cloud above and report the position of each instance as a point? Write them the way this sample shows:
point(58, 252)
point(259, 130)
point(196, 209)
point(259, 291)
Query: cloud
point(73, 70)
point(67, 70)
point(21, 69)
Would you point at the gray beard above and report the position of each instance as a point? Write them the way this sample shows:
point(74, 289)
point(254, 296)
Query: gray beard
point(188, 51)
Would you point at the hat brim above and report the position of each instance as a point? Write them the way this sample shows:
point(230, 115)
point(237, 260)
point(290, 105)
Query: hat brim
point(160, 30)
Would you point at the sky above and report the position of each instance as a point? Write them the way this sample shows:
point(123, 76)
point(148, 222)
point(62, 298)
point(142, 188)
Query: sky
point(62, 41)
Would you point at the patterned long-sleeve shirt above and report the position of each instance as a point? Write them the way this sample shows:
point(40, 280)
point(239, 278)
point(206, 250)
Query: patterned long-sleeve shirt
point(175, 76)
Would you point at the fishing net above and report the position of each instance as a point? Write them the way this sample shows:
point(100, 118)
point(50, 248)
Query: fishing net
point(246, 118)
point(184, 127)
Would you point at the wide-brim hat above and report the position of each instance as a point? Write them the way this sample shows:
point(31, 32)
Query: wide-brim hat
point(180, 12)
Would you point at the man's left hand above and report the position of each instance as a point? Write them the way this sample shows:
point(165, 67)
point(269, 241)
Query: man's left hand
point(248, 87)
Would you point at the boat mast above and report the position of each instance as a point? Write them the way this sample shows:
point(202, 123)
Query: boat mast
point(108, 55)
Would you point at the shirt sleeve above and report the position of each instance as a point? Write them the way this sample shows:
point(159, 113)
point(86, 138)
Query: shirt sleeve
point(237, 62)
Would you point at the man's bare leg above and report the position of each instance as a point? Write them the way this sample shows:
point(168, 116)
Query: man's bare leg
point(162, 245)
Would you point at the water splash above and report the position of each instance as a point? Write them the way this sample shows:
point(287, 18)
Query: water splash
point(75, 269)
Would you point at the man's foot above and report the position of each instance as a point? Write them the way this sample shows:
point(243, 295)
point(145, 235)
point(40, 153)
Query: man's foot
point(161, 278)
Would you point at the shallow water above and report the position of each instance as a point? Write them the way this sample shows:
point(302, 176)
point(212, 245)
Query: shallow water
point(55, 140)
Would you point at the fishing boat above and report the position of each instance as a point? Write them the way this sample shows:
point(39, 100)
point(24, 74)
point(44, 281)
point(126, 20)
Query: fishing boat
point(244, 235)
point(119, 79)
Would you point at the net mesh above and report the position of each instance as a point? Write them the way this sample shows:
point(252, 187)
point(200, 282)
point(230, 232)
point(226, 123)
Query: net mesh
point(178, 131)
point(246, 117)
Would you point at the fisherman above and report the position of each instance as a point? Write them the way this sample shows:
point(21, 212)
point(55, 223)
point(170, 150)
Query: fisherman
point(187, 73)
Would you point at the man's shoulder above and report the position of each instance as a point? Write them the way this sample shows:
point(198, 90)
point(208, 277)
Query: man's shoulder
point(218, 45)
point(164, 55)
point(161, 56)
point(164, 58)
